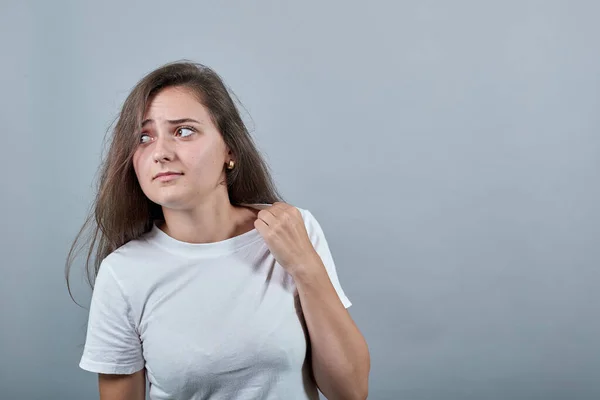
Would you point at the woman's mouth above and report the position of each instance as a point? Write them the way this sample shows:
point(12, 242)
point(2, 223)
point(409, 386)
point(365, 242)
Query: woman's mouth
point(167, 176)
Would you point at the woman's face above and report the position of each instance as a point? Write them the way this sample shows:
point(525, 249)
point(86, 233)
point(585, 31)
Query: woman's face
point(192, 150)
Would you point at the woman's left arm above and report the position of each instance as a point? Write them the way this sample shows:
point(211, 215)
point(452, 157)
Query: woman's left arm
point(339, 352)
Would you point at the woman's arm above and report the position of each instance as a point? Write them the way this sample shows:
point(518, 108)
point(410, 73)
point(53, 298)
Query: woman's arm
point(340, 356)
point(122, 387)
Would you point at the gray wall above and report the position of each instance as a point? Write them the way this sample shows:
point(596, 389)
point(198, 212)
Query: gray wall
point(455, 152)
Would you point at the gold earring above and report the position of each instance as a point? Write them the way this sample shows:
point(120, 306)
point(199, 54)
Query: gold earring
point(231, 164)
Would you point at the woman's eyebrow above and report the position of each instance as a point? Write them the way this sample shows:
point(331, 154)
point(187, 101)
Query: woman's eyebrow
point(173, 121)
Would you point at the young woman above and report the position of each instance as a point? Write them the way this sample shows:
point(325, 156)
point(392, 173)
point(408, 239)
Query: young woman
point(205, 283)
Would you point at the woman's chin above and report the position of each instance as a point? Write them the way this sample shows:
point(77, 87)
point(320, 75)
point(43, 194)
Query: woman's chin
point(172, 202)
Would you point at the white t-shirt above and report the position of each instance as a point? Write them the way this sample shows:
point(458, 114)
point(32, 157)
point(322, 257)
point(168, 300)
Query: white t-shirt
point(208, 321)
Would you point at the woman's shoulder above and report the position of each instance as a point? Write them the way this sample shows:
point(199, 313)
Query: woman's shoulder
point(131, 253)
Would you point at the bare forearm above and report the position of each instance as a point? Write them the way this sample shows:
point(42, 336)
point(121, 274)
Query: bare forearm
point(340, 356)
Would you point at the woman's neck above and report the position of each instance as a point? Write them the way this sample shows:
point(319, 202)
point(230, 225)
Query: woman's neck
point(209, 222)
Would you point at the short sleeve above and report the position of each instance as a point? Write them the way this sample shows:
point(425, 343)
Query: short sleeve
point(317, 237)
point(112, 345)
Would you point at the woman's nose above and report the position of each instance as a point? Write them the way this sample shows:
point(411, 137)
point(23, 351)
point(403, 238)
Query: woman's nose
point(163, 150)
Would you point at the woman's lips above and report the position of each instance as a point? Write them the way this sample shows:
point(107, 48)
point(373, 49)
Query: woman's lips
point(168, 177)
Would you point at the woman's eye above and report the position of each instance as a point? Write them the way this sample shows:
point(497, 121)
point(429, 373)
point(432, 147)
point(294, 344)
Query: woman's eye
point(144, 138)
point(190, 130)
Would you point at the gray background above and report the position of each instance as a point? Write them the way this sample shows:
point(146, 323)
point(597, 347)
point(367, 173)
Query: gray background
point(450, 150)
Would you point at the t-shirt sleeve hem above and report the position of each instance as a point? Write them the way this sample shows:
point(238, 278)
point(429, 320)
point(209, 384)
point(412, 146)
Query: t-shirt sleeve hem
point(107, 368)
point(346, 302)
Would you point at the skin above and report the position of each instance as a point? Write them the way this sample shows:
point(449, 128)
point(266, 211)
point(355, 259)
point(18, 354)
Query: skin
point(195, 205)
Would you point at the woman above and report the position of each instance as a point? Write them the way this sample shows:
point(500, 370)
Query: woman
point(206, 284)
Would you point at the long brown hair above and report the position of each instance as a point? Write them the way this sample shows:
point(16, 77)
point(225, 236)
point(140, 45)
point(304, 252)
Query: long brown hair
point(121, 211)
